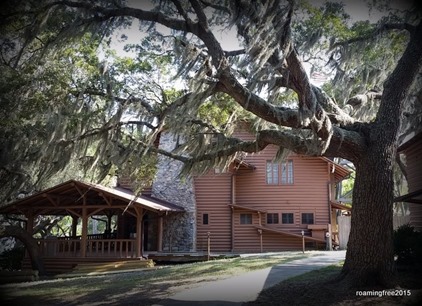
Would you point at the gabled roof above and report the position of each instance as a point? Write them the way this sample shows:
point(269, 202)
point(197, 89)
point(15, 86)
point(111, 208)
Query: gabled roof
point(242, 163)
point(69, 197)
point(340, 172)
point(409, 140)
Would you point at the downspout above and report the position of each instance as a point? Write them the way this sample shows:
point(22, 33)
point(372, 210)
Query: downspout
point(329, 233)
point(233, 201)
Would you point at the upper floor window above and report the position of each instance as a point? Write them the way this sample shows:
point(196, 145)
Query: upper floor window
point(307, 218)
point(245, 218)
point(287, 218)
point(272, 218)
point(272, 173)
point(287, 172)
point(274, 170)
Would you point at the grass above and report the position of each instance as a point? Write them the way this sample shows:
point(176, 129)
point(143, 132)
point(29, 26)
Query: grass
point(318, 288)
point(153, 283)
point(316, 275)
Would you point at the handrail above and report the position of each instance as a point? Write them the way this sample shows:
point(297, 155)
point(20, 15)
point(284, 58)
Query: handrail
point(119, 248)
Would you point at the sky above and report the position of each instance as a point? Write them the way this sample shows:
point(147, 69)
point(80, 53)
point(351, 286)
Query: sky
point(357, 9)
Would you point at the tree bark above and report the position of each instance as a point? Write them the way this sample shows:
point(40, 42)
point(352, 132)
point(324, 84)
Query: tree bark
point(370, 253)
point(29, 242)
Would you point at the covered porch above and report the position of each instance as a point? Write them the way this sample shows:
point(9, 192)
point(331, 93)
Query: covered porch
point(132, 224)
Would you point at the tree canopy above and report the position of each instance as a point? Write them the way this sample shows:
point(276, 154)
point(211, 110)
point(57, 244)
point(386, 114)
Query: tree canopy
point(197, 69)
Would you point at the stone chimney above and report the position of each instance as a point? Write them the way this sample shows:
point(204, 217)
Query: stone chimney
point(179, 228)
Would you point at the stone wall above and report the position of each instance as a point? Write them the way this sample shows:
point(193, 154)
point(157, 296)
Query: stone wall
point(179, 228)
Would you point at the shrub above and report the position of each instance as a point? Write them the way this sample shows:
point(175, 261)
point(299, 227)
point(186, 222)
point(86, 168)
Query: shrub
point(12, 259)
point(408, 245)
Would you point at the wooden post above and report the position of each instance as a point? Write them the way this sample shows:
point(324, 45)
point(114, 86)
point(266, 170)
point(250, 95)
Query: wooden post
point(138, 231)
point(30, 223)
point(29, 228)
point(232, 228)
point(260, 239)
point(303, 241)
point(329, 236)
point(74, 226)
point(208, 245)
point(84, 238)
point(160, 234)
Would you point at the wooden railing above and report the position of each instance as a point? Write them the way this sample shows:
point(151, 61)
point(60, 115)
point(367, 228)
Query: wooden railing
point(70, 247)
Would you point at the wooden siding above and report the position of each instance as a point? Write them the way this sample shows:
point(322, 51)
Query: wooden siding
point(249, 189)
point(213, 196)
point(246, 237)
point(273, 242)
point(307, 194)
point(414, 180)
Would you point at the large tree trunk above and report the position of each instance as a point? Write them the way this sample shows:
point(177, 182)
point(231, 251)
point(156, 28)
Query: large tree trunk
point(370, 257)
point(370, 254)
point(29, 242)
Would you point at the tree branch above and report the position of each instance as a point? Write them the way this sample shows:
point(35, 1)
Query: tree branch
point(202, 18)
point(381, 29)
point(181, 10)
point(401, 77)
point(102, 14)
point(345, 144)
point(255, 104)
point(234, 52)
point(216, 7)
point(358, 100)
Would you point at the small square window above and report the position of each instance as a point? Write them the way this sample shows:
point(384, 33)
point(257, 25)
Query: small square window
point(307, 218)
point(245, 218)
point(287, 218)
point(204, 219)
point(272, 218)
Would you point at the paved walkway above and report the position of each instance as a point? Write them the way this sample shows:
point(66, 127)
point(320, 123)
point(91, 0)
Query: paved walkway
point(246, 287)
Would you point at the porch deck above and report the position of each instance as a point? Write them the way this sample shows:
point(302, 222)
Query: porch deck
point(63, 254)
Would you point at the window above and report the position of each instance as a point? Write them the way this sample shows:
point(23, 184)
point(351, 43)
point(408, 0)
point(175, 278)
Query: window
point(287, 172)
point(307, 218)
point(273, 172)
point(272, 218)
point(287, 218)
point(245, 218)
point(204, 219)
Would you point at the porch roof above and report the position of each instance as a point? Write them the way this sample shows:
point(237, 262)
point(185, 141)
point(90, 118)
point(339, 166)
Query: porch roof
point(338, 205)
point(278, 231)
point(340, 172)
point(69, 198)
point(412, 197)
point(254, 209)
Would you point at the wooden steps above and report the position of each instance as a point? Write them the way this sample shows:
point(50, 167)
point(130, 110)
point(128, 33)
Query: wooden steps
point(18, 276)
point(98, 268)
point(163, 258)
point(55, 266)
point(52, 265)
point(88, 267)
